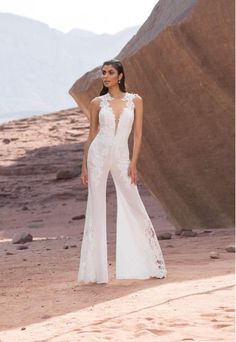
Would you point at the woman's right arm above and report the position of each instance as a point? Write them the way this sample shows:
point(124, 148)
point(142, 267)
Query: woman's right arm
point(93, 118)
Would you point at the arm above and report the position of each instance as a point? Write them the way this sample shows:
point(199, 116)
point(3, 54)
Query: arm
point(93, 116)
point(138, 123)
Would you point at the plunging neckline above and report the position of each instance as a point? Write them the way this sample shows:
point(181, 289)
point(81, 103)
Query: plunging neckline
point(117, 118)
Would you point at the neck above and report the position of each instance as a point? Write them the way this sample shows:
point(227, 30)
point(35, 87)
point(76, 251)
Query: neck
point(116, 93)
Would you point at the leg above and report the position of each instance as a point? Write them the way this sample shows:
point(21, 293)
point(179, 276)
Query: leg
point(138, 253)
point(93, 258)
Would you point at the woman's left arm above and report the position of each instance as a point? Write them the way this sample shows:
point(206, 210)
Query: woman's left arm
point(138, 123)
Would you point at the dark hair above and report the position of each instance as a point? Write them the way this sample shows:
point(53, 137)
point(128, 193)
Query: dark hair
point(119, 67)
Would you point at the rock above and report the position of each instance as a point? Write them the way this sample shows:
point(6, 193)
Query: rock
point(73, 246)
point(164, 236)
point(22, 237)
point(6, 141)
point(68, 174)
point(46, 317)
point(9, 253)
point(178, 231)
point(20, 247)
point(194, 155)
point(214, 255)
point(205, 232)
point(230, 249)
point(188, 233)
point(52, 128)
point(65, 247)
point(24, 207)
point(5, 194)
point(79, 217)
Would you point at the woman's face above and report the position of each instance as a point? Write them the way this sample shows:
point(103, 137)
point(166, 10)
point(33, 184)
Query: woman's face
point(110, 76)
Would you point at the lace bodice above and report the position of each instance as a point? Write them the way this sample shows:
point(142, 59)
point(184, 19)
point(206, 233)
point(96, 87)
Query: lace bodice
point(116, 118)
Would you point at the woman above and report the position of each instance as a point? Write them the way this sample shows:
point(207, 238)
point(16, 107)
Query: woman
point(112, 116)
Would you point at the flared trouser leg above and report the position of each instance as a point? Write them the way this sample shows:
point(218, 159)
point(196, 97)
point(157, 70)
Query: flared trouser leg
point(93, 257)
point(138, 253)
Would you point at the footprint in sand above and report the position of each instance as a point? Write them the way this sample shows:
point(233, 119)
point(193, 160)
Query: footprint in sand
point(229, 317)
point(214, 320)
point(178, 324)
point(225, 308)
point(160, 332)
point(229, 310)
point(212, 314)
point(220, 326)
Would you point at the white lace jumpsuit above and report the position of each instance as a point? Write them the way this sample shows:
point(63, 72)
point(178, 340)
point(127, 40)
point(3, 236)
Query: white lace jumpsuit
point(138, 253)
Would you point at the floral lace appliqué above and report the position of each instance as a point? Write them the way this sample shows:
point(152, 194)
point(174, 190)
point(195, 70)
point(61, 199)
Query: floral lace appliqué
point(122, 165)
point(97, 158)
point(155, 247)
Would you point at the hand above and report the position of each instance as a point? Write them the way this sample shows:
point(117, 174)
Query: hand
point(133, 173)
point(84, 175)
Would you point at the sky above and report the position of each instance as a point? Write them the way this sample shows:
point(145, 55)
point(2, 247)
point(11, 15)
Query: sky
point(98, 16)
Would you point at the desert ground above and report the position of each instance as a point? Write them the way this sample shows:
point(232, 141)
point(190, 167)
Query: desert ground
point(40, 298)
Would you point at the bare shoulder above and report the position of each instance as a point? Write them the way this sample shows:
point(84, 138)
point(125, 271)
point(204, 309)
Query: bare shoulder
point(137, 100)
point(137, 96)
point(95, 103)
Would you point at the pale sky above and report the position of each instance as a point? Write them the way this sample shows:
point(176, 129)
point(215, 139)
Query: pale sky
point(98, 16)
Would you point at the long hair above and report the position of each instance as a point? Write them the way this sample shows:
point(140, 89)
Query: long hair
point(119, 67)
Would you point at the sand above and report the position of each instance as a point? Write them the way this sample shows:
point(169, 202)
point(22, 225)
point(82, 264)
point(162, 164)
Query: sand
point(40, 298)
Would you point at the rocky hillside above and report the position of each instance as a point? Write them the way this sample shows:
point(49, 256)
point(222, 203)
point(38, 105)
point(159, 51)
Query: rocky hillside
point(181, 62)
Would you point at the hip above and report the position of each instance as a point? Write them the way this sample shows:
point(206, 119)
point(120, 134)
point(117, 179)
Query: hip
point(108, 148)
